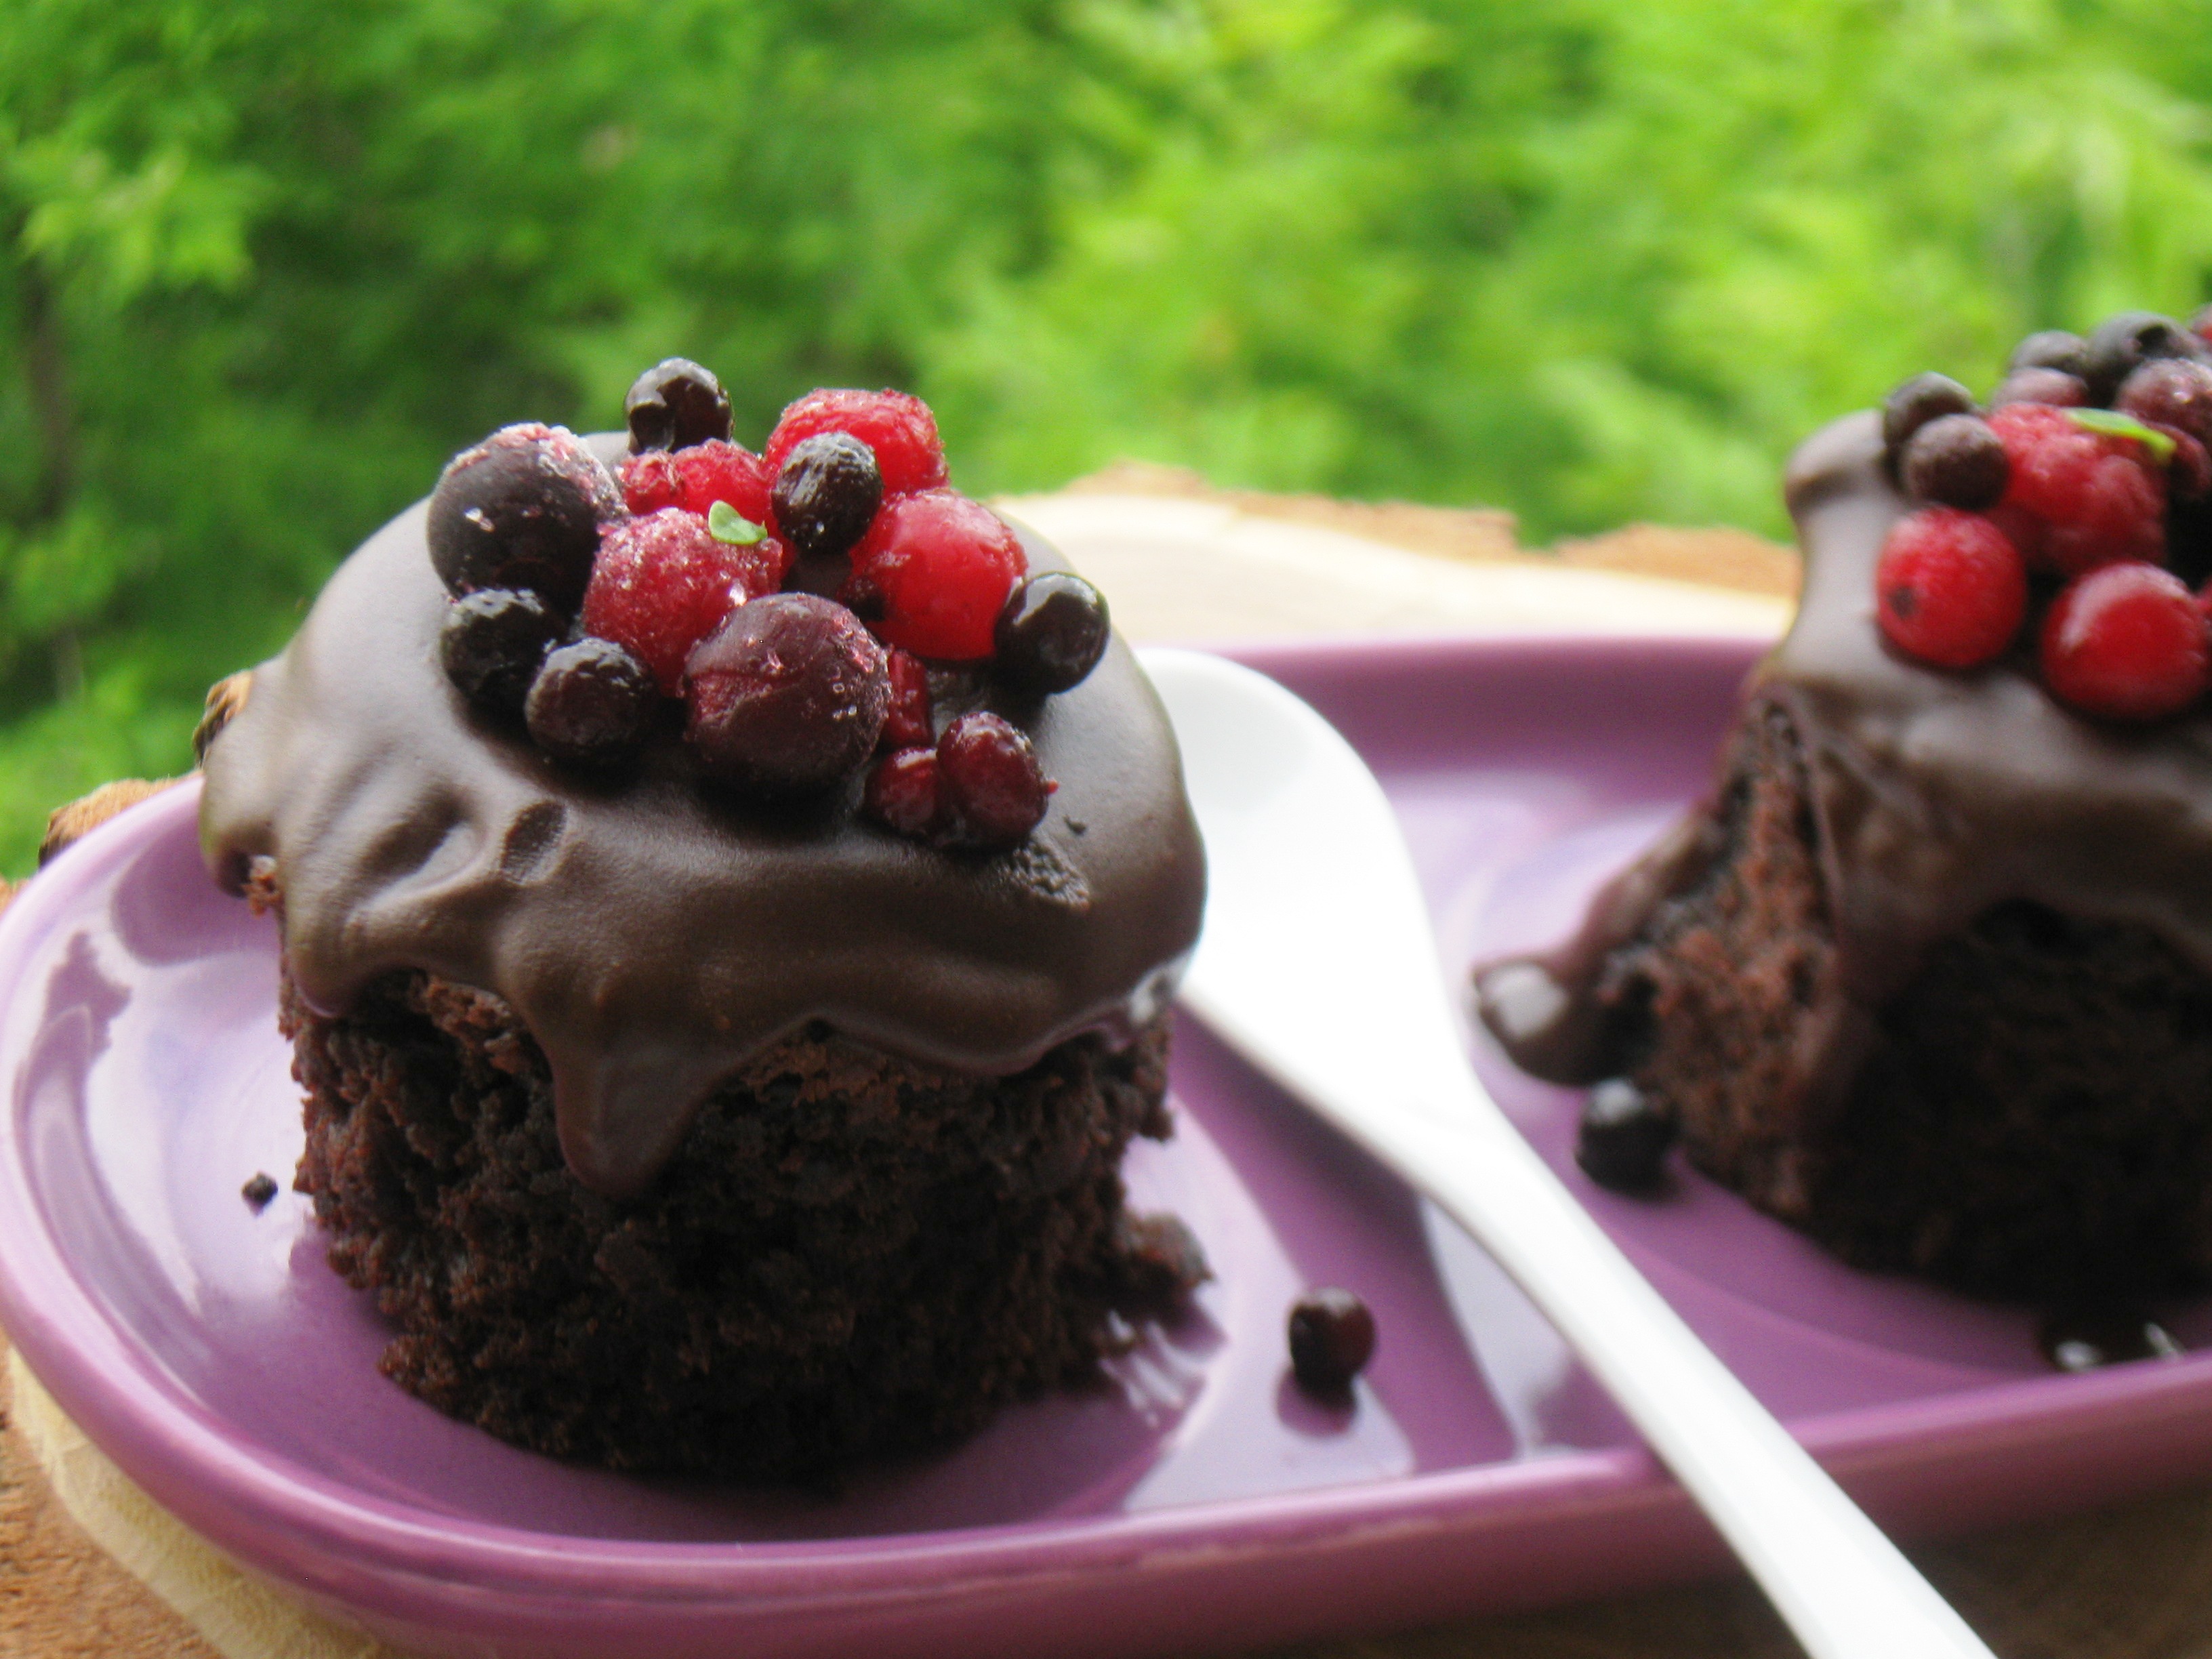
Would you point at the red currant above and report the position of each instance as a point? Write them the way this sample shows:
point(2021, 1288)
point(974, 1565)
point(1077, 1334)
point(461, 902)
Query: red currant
point(896, 425)
point(1950, 589)
point(989, 783)
point(902, 791)
point(932, 573)
point(908, 724)
point(696, 478)
point(2127, 641)
point(2097, 496)
point(662, 583)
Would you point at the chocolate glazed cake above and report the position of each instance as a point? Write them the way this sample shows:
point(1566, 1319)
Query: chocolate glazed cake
point(1931, 975)
point(679, 1130)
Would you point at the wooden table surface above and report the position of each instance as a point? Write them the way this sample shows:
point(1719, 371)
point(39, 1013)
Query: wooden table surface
point(90, 1566)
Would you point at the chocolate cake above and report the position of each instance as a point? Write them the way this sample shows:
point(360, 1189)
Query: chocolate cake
point(1930, 976)
point(684, 1114)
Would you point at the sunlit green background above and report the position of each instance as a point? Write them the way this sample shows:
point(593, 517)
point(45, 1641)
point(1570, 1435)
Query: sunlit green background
point(266, 265)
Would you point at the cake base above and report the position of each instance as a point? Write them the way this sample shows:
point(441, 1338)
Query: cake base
point(850, 1254)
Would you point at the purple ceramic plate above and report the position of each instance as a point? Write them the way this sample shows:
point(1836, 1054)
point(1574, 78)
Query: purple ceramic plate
point(1195, 1502)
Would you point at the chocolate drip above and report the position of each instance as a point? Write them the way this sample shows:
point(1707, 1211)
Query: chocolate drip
point(652, 934)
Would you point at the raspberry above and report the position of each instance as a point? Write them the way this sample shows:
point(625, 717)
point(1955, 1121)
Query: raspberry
point(826, 492)
point(696, 478)
point(2041, 386)
point(1958, 461)
point(990, 787)
point(1332, 1337)
point(907, 724)
point(674, 404)
point(2127, 641)
point(662, 583)
point(788, 695)
point(1949, 587)
point(2054, 348)
point(2171, 391)
point(1052, 633)
point(902, 791)
point(898, 426)
point(934, 570)
point(592, 704)
point(2095, 497)
point(1922, 398)
point(521, 510)
point(492, 642)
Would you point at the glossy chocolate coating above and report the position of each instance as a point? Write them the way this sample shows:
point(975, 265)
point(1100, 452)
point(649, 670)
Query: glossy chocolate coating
point(1936, 795)
point(652, 931)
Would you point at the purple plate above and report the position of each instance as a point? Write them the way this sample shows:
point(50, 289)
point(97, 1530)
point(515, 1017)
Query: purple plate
point(1195, 1501)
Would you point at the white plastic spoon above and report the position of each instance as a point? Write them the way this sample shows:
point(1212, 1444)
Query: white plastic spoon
point(1318, 965)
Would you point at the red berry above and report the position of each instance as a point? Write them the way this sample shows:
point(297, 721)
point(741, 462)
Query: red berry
point(2098, 496)
point(1950, 589)
point(896, 425)
point(908, 724)
point(696, 478)
point(662, 583)
point(902, 791)
point(786, 695)
point(933, 573)
point(989, 784)
point(2127, 641)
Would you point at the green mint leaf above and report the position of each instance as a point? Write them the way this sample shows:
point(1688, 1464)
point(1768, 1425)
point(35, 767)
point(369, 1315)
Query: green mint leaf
point(725, 524)
point(2114, 424)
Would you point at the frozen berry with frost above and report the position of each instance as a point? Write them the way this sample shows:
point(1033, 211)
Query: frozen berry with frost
point(592, 704)
point(825, 493)
point(1052, 632)
point(1956, 460)
point(665, 581)
point(902, 791)
point(991, 789)
point(906, 721)
point(2174, 391)
point(788, 695)
point(492, 642)
point(674, 404)
point(1332, 1338)
point(2054, 349)
point(1922, 398)
point(2124, 343)
point(696, 478)
point(2080, 495)
point(934, 571)
point(2127, 641)
point(896, 426)
point(521, 510)
point(1950, 589)
point(2041, 386)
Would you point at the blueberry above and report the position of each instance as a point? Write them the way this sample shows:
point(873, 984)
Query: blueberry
point(989, 783)
point(2171, 391)
point(674, 404)
point(1052, 633)
point(1956, 460)
point(828, 490)
point(2124, 343)
point(2054, 348)
point(521, 510)
point(1332, 1336)
point(1922, 398)
point(492, 642)
point(1623, 1138)
point(592, 704)
point(788, 695)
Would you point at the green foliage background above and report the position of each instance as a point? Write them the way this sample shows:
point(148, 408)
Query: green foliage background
point(264, 265)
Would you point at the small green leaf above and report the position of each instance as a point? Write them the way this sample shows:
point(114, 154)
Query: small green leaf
point(725, 524)
point(2114, 424)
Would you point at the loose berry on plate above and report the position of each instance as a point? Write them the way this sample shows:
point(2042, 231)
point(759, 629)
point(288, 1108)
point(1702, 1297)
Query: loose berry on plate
point(674, 404)
point(826, 492)
point(1950, 589)
point(788, 695)
point(1623, 1139)
point(259, 1189)
point(1332, 1338)
point(902, 791)
point(522, 509)
point(2054, 348)
point(2124, 343)
point(2172, 392)
point(1956, 460)
point(492, 642)
point(990, 788)
point(2093, 496)
point(906, 722)
point(896, 427)
point(592, 704)
point(664, 582)
point(1053, 631)
point(2127, 641)
point(1922, 398)
point(934, 571)
point(696, 478)
point(2041, 386)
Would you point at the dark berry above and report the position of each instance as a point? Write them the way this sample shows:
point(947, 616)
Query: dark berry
point(907, 723)
point(940, 565)
point(2124, 343)
point(2171, 391)
point(522, 509)
point(1922, 398)
point(2189, 471)
point(898, 428)
point(1956, 460)
point(1161, 1260)
point(2126, 642)
point(2055, 348)
point(1624, 1137)
point(492, 642)
point(592, 704)
point(1052, 632)
point(662, 583)
point(902, 791)
point(2078, 498)
point(2041, 386)
point(788, 695)
point(260, 1190)
point(696, 478)
point(991, 790)
point(1332, 1336)
point(1950, 587)
point(826, 492)
point(674, 404)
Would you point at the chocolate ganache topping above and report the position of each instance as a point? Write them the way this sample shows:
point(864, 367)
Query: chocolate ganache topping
point(653, 930)
point(1936, 794)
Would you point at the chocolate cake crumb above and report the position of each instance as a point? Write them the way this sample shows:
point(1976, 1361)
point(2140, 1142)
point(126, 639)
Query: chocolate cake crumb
point(260, 1190)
